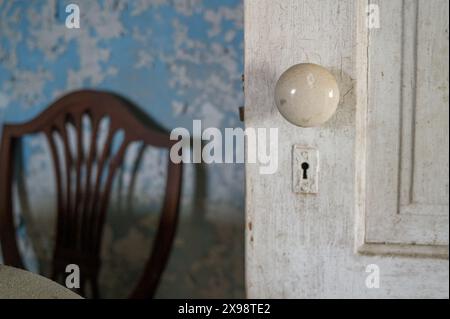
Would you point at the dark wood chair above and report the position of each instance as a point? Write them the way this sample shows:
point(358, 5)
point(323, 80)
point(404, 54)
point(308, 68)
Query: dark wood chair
point(82, 202)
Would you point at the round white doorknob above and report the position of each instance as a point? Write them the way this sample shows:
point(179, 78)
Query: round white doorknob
point(307, 94)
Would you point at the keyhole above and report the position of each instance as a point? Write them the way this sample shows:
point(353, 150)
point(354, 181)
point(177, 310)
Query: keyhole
point(305, 167)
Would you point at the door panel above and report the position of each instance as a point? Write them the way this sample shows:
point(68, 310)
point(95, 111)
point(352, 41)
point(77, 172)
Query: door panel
point(406, 128)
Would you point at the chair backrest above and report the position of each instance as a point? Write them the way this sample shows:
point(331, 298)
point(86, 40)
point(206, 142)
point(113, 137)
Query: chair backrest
point(82, 192)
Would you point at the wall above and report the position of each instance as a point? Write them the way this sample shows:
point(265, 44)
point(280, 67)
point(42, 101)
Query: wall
point(178, 60)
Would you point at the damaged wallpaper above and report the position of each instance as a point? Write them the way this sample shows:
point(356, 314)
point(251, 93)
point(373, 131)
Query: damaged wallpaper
point(178, 60)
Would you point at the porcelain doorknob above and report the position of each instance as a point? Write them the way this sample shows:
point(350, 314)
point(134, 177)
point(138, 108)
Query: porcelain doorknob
point(307, 94)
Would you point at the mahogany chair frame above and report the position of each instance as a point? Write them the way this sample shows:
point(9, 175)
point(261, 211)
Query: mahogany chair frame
point(81, 211)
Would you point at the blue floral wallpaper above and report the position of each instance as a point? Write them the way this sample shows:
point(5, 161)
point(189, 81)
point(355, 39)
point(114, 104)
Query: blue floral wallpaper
point(178, 60)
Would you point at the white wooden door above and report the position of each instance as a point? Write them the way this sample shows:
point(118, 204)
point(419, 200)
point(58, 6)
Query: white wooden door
point(382, 206)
